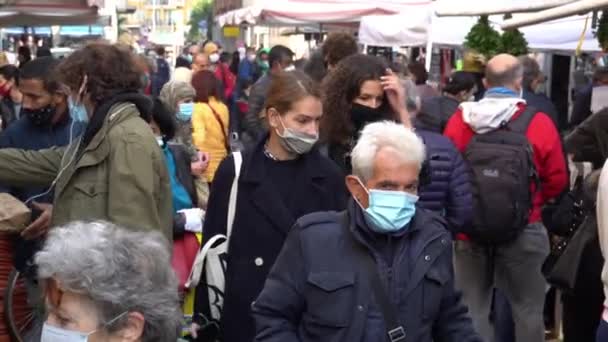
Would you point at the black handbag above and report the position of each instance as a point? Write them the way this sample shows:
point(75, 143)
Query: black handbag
point(578, 228)
point(564, 215)
point(562, 265)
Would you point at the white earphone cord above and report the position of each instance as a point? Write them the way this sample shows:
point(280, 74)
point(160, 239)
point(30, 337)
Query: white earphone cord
point(60, 171)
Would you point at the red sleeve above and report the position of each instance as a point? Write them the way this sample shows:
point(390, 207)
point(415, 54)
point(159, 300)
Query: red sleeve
point(548, 156)
point(458, 132)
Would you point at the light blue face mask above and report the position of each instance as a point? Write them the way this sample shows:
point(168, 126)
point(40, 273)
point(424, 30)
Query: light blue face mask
point(77, 111)
point(55, 334)
point(185, 111)
point(52, 333)
point(389, 211)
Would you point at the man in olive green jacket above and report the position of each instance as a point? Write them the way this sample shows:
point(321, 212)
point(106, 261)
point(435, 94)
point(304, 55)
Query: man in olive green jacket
point(120, 176)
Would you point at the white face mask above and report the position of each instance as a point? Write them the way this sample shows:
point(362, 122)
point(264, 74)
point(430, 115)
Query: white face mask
point(251, 57)
point(214, 58)
point(55, 334)
point(290, 68)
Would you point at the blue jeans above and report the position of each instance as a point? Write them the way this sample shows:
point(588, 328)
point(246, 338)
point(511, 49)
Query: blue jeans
point(504, 327)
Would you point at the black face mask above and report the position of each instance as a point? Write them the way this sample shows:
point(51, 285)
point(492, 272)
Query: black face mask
point(361, 115)
point(39, 117)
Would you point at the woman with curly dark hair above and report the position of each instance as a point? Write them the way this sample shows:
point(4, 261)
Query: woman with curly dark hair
point(115, 171)
point(361, 90)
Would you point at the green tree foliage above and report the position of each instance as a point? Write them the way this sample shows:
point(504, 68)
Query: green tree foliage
point(202, 10)
point(513, 42)
point(487, 41)
point(602, 31)
point(483, 38)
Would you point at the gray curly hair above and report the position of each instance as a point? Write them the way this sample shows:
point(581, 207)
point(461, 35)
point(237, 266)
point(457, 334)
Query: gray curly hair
point(119, 270)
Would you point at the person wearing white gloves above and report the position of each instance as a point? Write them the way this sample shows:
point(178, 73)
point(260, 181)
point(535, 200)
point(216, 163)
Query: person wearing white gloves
point(188, 217)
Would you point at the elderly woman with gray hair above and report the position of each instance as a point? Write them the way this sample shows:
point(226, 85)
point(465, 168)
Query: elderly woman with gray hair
point(105, 283)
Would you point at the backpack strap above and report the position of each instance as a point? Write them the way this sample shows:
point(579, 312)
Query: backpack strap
point(521, 123)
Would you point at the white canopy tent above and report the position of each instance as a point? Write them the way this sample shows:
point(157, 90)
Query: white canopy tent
point(422, 28)
point(306, 12)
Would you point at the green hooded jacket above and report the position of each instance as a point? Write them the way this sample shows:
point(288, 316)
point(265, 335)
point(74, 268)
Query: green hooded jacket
point(120, 176)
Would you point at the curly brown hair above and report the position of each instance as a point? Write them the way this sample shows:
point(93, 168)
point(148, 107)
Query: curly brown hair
point(109, 70)
point(340, 88)
point(338, 46)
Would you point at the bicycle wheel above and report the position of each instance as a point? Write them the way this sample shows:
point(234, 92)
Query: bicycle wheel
point(18, 313)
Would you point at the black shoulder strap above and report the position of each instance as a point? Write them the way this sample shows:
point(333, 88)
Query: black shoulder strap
point(521, 123)
point(394, 329)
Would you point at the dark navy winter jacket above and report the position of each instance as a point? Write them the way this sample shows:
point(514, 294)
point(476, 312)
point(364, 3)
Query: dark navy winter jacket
point(543, 104)
point(23, 134)
point(318, 290)
point(447, 190)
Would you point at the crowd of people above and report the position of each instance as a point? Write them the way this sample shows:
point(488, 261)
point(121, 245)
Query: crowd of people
point(356, 201)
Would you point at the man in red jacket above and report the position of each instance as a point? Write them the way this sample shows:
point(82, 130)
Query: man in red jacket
point(513, 267)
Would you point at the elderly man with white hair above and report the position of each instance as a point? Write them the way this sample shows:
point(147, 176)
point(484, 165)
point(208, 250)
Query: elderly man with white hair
point(380, 271)
point(105, 283)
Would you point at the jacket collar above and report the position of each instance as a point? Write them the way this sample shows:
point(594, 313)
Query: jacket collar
point(428, 241)
point(96, 150)
point(363, 233)
point(266, 198)
point(256, 172)
point(118, 113)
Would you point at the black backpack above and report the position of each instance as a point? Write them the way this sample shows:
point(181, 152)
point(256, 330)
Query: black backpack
point(503, 170)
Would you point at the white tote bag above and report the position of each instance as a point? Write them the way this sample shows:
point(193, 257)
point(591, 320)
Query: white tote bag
point(212, 257)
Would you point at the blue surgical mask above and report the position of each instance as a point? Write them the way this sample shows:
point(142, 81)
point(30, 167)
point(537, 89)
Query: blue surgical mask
point(55, 334)
point(77, 111)
point(52, 333)
point(389, 211)
point(185, 111)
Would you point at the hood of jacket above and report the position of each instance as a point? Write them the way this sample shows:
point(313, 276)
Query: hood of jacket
point(496, 108)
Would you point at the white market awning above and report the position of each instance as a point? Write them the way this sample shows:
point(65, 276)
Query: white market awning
point(558, 35)
point(51, 12)
point(303, 12)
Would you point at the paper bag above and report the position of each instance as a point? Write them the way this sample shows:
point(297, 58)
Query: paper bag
point(14, 215)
